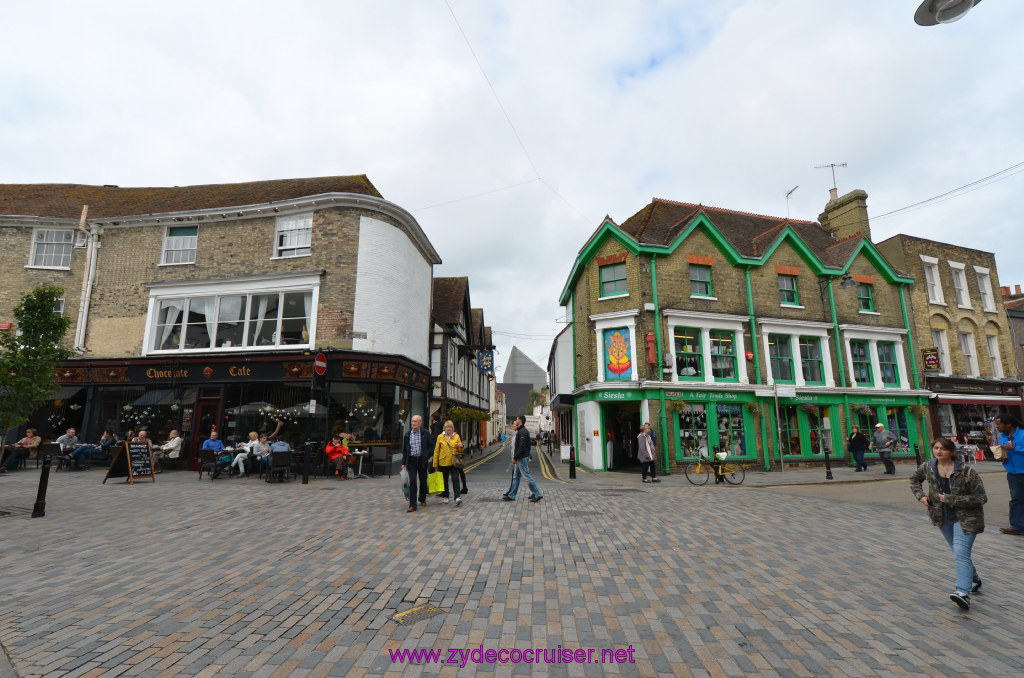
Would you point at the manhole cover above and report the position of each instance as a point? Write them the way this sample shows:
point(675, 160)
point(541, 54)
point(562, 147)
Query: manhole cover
point(417, 614)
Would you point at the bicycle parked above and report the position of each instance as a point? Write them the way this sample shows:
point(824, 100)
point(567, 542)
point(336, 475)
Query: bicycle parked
point(698, 472)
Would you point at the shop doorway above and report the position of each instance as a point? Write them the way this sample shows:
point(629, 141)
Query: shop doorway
point(621, 427)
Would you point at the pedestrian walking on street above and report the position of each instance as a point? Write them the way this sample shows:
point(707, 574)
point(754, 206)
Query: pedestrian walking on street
point(858, 445)
point(645, 454)
point(521, 456)
point(955, 499)
point(884, 442)
point(447, 447)
point(416, 447)
point(1011, 439)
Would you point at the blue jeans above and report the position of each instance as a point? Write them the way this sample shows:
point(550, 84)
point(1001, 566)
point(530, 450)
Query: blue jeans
point(81, 455)
point(1016, 482)
point(961, 544)
point(858, 457)
point(523, 469)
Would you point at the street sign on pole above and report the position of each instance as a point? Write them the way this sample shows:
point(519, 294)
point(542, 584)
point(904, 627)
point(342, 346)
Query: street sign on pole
point(320, 364)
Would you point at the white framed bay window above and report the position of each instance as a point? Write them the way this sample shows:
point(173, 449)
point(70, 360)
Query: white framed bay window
point(250, 313)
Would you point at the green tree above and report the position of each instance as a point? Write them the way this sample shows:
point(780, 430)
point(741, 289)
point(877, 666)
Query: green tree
point(29, 354)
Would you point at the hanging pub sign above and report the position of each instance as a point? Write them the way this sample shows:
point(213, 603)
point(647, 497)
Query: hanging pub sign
point(485, 360)
point(132, 460)
point(930, 358)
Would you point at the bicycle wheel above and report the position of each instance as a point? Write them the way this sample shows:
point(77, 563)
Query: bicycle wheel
point(734, 474)
point(696, 472)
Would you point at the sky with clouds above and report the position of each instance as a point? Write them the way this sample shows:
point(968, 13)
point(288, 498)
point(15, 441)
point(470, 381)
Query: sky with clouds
point(510, 129)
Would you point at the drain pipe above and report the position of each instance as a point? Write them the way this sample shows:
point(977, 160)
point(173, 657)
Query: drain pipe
point(88, 279)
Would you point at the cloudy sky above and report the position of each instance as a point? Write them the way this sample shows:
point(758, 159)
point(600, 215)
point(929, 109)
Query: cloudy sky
point(509, 129)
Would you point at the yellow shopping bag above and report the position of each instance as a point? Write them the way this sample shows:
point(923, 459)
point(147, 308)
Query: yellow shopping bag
point(435, 482)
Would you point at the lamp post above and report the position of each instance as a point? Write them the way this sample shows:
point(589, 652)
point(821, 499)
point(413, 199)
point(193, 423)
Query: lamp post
point(846, 281)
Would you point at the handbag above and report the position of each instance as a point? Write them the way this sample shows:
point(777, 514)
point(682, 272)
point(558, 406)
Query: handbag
point(435, 482)
point(457, 461)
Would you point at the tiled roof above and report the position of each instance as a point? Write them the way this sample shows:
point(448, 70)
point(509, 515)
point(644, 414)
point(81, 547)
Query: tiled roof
point(449, 296)
point(661, 222)
point(1014, 304)
point(66, 200)
point(478, 326)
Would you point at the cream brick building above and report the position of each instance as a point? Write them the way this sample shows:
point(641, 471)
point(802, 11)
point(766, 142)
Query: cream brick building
point(203, 306)
point(966, 344)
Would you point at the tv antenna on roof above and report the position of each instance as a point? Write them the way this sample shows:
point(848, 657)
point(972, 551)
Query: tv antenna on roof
point(789, 193)
point(832, 166)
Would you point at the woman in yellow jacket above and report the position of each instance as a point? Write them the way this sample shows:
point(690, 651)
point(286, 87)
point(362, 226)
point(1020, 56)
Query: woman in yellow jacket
point(446, 449)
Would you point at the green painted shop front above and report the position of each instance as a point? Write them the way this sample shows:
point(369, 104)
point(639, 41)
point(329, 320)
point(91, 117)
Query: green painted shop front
point(807, 426)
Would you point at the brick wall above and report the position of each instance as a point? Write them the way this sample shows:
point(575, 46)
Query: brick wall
point(925, 315)
point(129, 258)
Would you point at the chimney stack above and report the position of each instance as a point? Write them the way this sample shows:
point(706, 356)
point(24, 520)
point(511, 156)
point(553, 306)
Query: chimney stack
point(1016, 289)
point(1005, 290)
point(847, 215)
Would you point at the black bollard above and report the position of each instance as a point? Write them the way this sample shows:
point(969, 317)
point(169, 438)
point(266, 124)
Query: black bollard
point(828, 466)
point(917, 454)
point(39, 510)
point(572, 462)
point(305, 463)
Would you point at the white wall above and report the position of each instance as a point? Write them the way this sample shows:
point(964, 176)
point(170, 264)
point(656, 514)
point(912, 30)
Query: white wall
point(561, 376)
point(588, 419)
point(392, 293)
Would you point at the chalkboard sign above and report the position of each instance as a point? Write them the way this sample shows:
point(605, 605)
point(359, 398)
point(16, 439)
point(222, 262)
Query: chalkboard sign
point(132, 460)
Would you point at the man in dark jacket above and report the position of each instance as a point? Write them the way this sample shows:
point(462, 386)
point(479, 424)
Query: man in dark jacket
point(521, 455)
point(417, 446)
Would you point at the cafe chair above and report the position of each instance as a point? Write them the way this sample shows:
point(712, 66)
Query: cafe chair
point(280, 466)
point(208, 463)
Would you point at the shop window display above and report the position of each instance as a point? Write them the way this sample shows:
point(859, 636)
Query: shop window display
point(731, 430)
point(693, 430)
point(789, 429)
point(896, 423)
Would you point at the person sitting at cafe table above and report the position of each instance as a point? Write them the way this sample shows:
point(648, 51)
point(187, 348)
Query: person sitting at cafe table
point(72, 449)
point(213, 443)
point(370, 433)
point(259, 453)
point(337, 454)
point(106, 442)
point(26, 448)
point(244, 450)
point(172, 448)
point(278, 446)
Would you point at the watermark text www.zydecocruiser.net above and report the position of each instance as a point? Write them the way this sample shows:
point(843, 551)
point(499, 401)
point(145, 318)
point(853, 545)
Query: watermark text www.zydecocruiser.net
point(530, 655)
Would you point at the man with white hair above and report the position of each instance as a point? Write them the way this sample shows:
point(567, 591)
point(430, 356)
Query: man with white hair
point(884, 442)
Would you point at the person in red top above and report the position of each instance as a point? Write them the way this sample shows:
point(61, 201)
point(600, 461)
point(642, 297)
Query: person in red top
point(337, 454)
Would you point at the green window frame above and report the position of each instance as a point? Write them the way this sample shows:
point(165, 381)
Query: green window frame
point(780, 354)
point(613, 280)
point(723, 355)
point(865, 299)
point(811, 363)
point(700, 281)
point(788, 295)
point(888, 365)
point(861, 357)
point(689, 355)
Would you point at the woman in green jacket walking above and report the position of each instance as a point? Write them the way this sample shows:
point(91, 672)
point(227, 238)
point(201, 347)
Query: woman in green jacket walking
point(955, 499)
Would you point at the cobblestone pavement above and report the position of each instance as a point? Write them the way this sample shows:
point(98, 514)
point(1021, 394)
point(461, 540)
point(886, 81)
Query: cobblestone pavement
point(238, 577)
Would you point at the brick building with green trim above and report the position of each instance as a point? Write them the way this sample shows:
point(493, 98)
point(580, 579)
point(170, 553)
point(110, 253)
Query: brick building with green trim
point(761, 336)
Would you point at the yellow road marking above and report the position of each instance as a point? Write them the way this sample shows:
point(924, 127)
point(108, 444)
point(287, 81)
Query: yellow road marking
point(486, 459)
